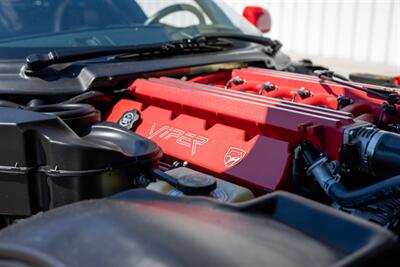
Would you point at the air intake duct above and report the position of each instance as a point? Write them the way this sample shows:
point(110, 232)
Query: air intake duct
point(44, 164)
point(379, 152)
point(385, 161)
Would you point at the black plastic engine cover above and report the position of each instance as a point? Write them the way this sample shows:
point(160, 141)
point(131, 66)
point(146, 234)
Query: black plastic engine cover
point(45, 164)
point(144, 228)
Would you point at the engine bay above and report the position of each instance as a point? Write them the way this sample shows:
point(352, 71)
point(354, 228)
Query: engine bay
point(233, 135)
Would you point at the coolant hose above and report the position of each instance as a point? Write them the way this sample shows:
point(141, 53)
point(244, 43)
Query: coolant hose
point(95, 98)
point(319, 167)
point(375, 193)
point(77, 116)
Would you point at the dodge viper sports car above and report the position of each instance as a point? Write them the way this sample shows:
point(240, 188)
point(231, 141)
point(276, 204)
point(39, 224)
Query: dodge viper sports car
point(158, 133)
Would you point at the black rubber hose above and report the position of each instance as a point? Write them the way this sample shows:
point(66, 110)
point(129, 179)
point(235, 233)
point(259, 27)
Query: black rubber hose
point(79, 117)
point(375, 193)
point(295, 176)
point(381, 191)
point(91, 97)
point(65, 111)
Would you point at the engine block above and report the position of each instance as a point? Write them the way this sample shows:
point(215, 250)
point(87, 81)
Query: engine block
point(243, 132)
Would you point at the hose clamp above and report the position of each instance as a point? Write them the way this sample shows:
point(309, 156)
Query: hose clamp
point(319, 162)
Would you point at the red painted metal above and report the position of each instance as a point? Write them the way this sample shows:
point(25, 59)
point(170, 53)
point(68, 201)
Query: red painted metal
point(242, 137)
point(288, 86)
point(243, 125)
point(323, 93)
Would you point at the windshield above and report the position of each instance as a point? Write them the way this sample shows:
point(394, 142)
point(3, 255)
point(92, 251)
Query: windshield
point(37, 26)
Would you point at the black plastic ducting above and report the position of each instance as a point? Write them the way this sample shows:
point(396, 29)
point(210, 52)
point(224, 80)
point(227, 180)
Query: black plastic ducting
point(79, 117)
point(45, 164)
point(145, 228)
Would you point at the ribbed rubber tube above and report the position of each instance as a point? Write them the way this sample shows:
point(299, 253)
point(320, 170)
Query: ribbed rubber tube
point(372, 194)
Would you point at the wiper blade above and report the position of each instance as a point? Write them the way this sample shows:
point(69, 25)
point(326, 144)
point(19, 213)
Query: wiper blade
point(37, 62)
point(204, 42)
point(271, 47)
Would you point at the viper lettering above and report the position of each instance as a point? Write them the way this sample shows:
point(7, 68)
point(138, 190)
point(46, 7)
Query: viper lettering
point(187, 139)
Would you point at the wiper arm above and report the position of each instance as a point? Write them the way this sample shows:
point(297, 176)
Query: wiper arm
point(205, 42)
point(271, 46)
point(37, 62)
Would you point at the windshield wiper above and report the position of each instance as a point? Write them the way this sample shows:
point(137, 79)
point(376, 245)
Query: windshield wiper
point(271, 47)
point(37, 62)
point(205, 42)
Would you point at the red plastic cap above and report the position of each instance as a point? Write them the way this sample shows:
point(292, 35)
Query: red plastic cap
point(259, 17)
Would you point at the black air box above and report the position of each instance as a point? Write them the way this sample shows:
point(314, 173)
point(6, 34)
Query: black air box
point(44, 164)
point(144, 228)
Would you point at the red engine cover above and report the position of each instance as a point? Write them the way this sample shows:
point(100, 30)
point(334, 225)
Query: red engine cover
point(245, 138)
